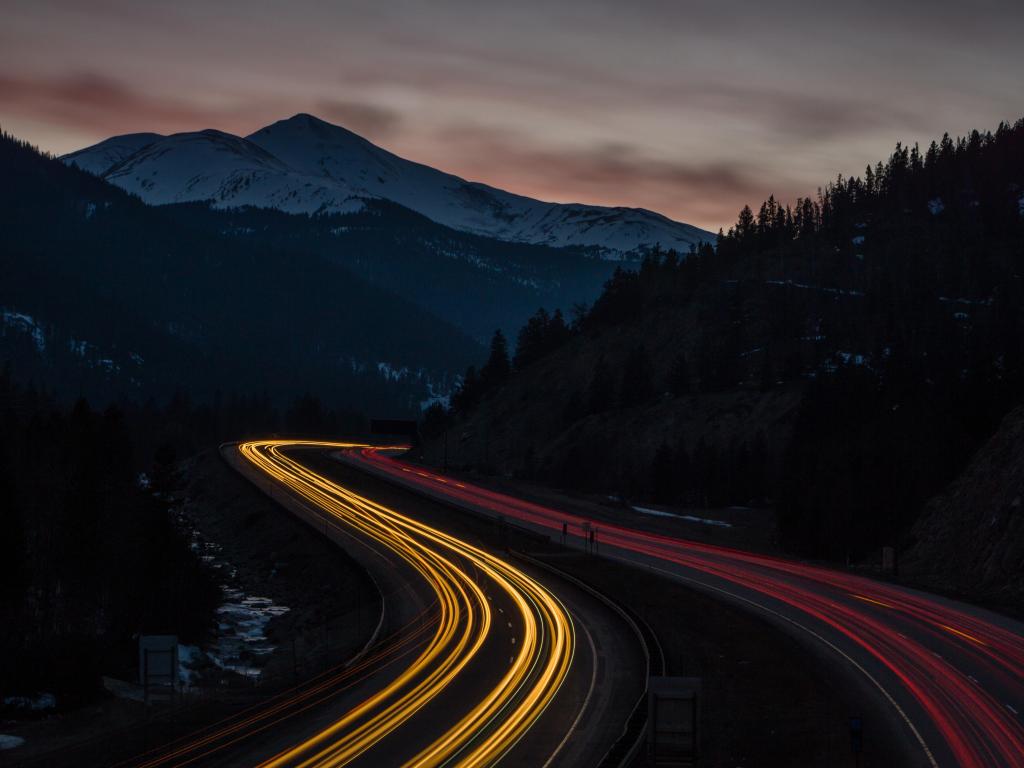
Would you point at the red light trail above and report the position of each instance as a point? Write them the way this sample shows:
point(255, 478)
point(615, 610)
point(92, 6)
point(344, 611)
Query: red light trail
point(953, 673)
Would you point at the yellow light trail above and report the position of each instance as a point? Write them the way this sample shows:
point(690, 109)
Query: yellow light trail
point(489, 728)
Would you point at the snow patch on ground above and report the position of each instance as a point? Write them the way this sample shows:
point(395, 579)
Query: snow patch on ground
point(858, 240)
point(241, 640)
point(10, 742)
point(26, 324)
point(436, 395)
point(241, 631)
point(853, 358)
point(189, 659)
point(970, 302)
point(41, 702)
point(390, 373)
point(687, 518)
point(793, 284)
point(936, 206)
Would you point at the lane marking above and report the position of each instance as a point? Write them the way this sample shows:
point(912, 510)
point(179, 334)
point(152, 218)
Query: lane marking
point(871, 600)
point(586, 700)
point(733, 596)
point(962, 634)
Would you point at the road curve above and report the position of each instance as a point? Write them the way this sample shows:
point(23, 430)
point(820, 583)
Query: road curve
point(387, 727)
point(951, 674)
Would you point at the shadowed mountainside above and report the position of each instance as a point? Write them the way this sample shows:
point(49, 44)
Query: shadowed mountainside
point(971, 537)
point(838, 360)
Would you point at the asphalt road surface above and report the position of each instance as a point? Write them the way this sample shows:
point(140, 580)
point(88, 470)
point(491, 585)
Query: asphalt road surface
point(949, 675)
point(475, 660)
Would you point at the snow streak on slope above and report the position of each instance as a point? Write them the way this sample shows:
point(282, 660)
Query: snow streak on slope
point(305, 165)
point(100, 158)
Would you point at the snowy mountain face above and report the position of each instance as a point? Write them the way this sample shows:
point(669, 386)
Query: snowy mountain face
point(305, 165)
point(99, 158)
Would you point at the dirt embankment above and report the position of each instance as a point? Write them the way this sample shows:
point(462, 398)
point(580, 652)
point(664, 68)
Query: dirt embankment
point(970, 539)
point(539, 424)
point(333, 604)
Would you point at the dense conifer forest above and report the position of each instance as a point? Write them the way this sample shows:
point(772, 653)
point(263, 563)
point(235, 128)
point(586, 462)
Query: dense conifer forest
point(91, 554)
point(887, 311)
point(104, 296)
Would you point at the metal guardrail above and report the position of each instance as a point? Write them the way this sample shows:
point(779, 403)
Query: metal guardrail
point(624, 750)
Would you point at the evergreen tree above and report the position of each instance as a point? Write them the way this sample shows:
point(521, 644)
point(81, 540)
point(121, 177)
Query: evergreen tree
point(679, 376)
point(435, 421)
point(497, 368)
point(601, 393)
point(637, 385)
point(745, 226)
point(663, 475)
point(532, 339)
point(467, 394)
point(683, 479)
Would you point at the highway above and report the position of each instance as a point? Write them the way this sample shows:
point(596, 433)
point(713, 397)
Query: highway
point(950, 676)
point(497, 654)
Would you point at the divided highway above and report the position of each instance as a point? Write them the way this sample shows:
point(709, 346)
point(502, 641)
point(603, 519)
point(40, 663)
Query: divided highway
point(474, 689)
point(950, 675)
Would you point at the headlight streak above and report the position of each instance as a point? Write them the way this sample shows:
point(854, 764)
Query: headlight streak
point(287, 704)
point(979, 730)
point(493, 725)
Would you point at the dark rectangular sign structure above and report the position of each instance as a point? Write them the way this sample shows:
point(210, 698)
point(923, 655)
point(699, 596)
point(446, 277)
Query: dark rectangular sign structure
point(158, 664)
point(672, 719)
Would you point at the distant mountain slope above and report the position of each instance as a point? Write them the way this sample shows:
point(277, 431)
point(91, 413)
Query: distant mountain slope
point(306, 165)
point(476, 283)
point(105, 295)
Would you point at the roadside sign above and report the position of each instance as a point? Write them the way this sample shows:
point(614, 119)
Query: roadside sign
point(158, 664)
point(672, 720)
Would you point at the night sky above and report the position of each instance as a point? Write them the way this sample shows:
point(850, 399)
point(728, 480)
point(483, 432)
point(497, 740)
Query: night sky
point(690, 109)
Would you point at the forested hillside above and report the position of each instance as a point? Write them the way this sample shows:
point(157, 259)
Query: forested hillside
point(970, 538)
point(105, 296)
point(839, 359)
point(89, 556)
point(474, 283)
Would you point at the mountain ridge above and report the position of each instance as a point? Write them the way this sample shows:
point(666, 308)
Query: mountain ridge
point(108, 297)
point(321, 167)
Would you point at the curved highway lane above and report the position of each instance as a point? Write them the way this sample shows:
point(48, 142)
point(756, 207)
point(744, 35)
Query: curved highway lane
point(952, 674)
point(388, 726)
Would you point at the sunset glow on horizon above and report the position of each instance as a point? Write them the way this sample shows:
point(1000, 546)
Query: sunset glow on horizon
point(686, 109)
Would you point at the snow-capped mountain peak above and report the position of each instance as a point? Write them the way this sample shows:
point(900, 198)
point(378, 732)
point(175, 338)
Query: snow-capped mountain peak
point(305, 165)
point(99, 158)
